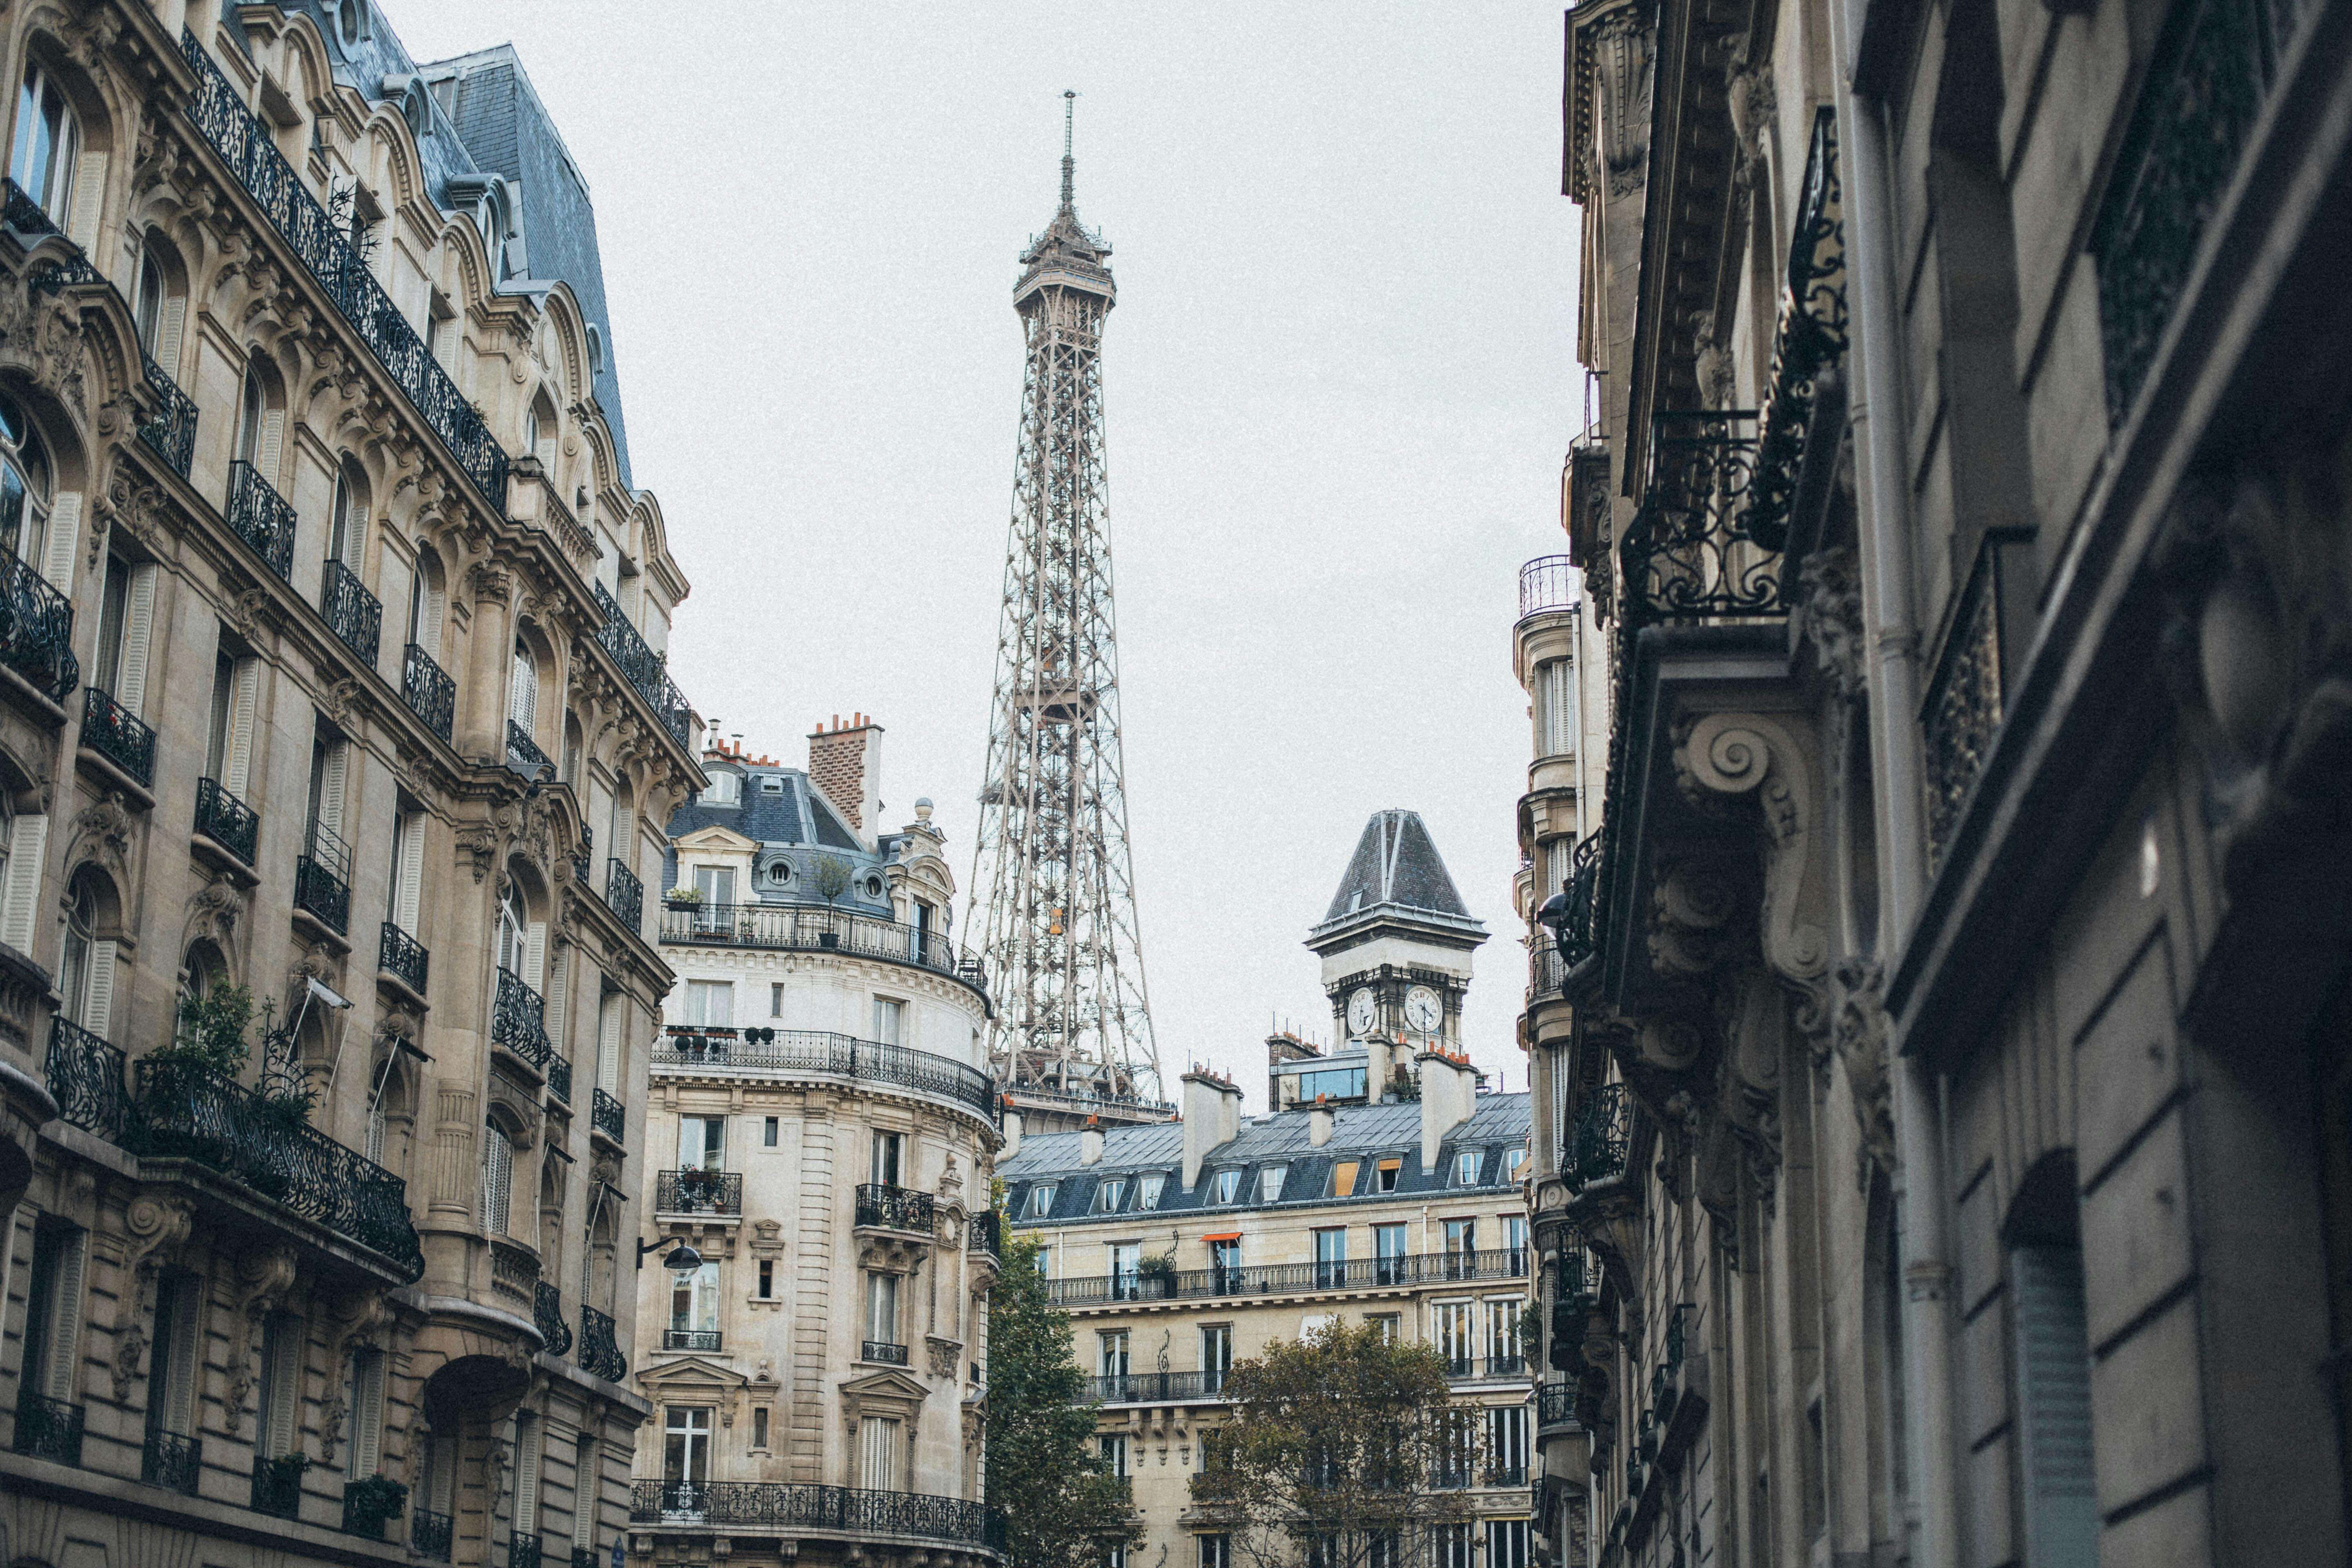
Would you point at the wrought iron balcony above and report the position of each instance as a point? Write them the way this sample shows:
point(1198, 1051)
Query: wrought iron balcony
point(1152, 1387)
point(427, 689)
point(689, 1339)
point(1486, 1368)
point(172, 1461)
point(1546, 584)
point(403, 957)
point(85, 1078)
point(547, 1316)
point(182, 1112)
point(353, 613)
point(249, 150)
point(1288, 1279)
point(599, 1354)
point(1604, 1131)
point(585, 1557)
point(761, 1050)
point(607, 1115)
point(37, 630)
point(108, 728)
point(886, 1352)
point(226, 820)
point(1690, 553)
point(1810, 336)
point(856, 1513)
point(171, 434)
point(519, 1020)
point(322, 886)
point(261, 517)
point(642, 668)
point(48, 1429)
point(815, 928)
point(277, 1486)
point(522, 1551)
point(429, 1534)
point(523, 754)
point(699, 1191)
point(1555, 1404)
point(558, 1078)
point(988, 1232)
point(624, 895)
point(1574, 923)
point(895, 1208)
point(1966, 696)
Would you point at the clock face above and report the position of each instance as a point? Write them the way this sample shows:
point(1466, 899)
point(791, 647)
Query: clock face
point(1362, 1011)
point(1423, 1011)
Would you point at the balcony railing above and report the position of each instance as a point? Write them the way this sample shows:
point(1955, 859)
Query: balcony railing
point(1485, 1368)
point(624, 895)
point(558, 1078)
point(606, 1115)
point(699, 1191)
point(812, 1051)
point(248, 147)
point(427, 689)
point(522, 1551)
point(689, 1339)
point(172, 1461)
point(48, 1429)
point(226, 820)
point(814, 928)
point(1555, 1403)
point(1547, 582)
point(599, 1354)
point(171, 434)
point(889, 1352)
point(403, 957)
point(429, 1534)
point(353, 613)
point(1966, 696)
point(795, 1505)
point(1153, 1387)
point(1604, 1131)
point(1289, 1278)
point(514, 1269)
point(547, 1316)
point(277, 1486)
point(519, 1020)
point(895, 1208)
point(108, 728)
point(261, 517)
point(322, 886)
point(37, 630)
point(642, 668)
point(1810, 336)
point(85, 1078)
point(523, 754)
point(988, 1232)
point(1576, 935)
point(1689, 554)
point(182, 1112)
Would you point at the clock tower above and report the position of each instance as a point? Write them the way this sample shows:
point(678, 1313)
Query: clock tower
point(1396, 941)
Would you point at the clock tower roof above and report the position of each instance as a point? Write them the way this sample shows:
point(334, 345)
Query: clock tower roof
point(1396, 877)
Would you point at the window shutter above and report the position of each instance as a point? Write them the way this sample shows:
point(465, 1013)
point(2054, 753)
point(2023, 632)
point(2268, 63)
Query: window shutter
point(534, 957)
point(65, 535)
point(273, 441)
point(243, 704)
point(497, 1181)
point(168, 331)
point(522, 705)
point(412, 872)
point(65, 1317)
point(526, 1483)
point(625, 835)
point(187, 1335)
point(881, 1473)
point(28, 840)
point(284, 1344)
point(584, 1495)
point(138, 629)
point(608, 1046)
point(367, 1411)
point(330, 788)
point(99, 1013)
point(88, 197)
point(2054, 1403)
point(428, 635)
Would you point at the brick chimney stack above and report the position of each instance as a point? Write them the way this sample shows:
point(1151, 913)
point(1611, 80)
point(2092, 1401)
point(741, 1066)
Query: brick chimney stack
point(845, 763)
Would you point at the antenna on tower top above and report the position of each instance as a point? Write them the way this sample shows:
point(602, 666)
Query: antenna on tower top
point(1069, 114)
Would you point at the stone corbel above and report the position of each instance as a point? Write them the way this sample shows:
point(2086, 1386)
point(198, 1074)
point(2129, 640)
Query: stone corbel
point(155, 1227)
point(260, 1281)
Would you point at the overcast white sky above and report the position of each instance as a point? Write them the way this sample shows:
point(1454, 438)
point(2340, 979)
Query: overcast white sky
point(1339, 384)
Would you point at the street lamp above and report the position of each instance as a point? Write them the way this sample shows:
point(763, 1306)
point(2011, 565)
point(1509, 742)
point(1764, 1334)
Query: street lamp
point(684, 1260)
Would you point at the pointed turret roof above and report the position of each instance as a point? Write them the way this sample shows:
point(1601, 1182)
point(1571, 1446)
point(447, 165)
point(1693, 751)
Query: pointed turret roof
point(1067, 251)
point(1395, 862)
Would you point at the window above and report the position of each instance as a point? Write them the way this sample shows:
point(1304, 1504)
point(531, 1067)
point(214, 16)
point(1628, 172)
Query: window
point(347, 523)
point(878, 1453)
point(1343, 1179)
point(722, 789)
point(685, 1443)
point(1109, 1193)
point(1216, 1550)
point(1228, 1184)
point(1114, 1453)
point(1455, 1339)
point(769, 1131)
point(1514, 1241)
point(1216, 1355)
point(281, 1386)
point(1461, 1236)
point(1334, 1083)
point(583, 1506)
point(49, 144)
point(513, 938)
point(1502, 1335)
point(702, 1144)
point(882, 1309)
point(1506, 1539)
point(526, 1473)
point(1040, 1200)
point(1390, 1327)
point(1111, 1353)
point(717, 885)
point(776, 1000)
point(2051, 1378)
point(1269, 1182)
point(1126, 1271)
point(710, 1003)
point(498, 1180)
point(1148, 1190)
point(173, 1367)
point(1388, 1170)
point(767, 1279)
point(890, 1020)
point(1330, 1259)
point(1515, 1162)
point(403, 895)
point(1555, 715)
point(694, 1302)
point(889, 1153)
point(522, 693)
point(1225, 1262)
point(53, 1312)
point(1388, 1248)
point(1465, 1168)
point(759, 1425)
point(24, 488)
point(85, 994)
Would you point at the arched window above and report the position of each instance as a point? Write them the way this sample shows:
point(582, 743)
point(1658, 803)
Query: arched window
point(25, 489)
point(149, 310)
point(513, 931)
point(425, 602)
point(73, 964)
point(498, 1180)
point(48, 142)
point(252, 416)
point(523, 700)
point(347, 525)
point(540, 431)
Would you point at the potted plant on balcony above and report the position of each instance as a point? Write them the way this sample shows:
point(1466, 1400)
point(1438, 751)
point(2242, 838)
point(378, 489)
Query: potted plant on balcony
point(1160, 1268)
point(370, 1502)
point(682, 898)
point(830, 875)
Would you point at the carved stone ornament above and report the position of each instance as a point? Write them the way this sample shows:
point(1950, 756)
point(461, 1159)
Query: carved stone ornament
point(243, 613)
point(1828, 614)
point(478, 850)
point(258, 1283)
point(101, 832)
point(1859, 1032)
point(946, 1356)
point(1625, 49)
point(155, 1227)
point(214, 912)
point(41, 338)
point(1769, 759)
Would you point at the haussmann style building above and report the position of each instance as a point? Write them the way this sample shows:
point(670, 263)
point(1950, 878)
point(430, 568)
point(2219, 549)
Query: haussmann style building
point(823, 1126)
point(331, 675)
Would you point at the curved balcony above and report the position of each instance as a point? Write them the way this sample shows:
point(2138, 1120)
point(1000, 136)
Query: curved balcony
point(37, 630)
point(794, 1506)
point(698, 1048)
point(600, 1353)
point(1548, 583)
point(818, 928)
point(1604, 1131)
point(547, 1316)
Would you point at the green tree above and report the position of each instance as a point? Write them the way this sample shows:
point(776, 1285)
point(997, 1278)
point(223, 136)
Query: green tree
point(1345, 1449)
point(1061, 1510)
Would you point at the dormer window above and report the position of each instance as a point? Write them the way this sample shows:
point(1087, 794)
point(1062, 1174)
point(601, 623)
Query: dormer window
point(1147, 1196)
point(1040, 1200)
point(1109, 1194)
point(1228, 1185)
point(1269, 1182)
point(1465, 1168)
point(723, 790)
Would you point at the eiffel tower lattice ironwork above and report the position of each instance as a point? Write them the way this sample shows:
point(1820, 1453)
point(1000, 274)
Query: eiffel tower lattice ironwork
point(1058, 927)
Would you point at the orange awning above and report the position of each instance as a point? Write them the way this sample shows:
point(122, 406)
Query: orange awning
point(1225, 1236)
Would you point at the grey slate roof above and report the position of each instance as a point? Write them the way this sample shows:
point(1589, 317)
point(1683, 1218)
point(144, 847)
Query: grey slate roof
point(1395, 862)
point(794, 822)
point(1496, 1122)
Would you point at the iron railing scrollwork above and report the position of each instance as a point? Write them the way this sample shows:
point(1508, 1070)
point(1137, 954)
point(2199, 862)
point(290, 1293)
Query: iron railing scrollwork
point(558, 1077)
point(600, 1353)
point(895, 1208)
point(641, 667)
point(886, 1351)
point(249, 150)
point(278, 1485)
point(172, 1460)
point(519, 1020)
point(696, 1191)
point(1151, 1387)
point(403, 957)
point(1812, 335)
point(855, 1512)
point(323, 879)
point(428, 690)
point(816, 928)
point(1604, 1132)
point(48, 1429)
point(429, 1534)
point(171, 434)
point(36, 629)
point(690, 1339)
point(261, 517)
point(547, 1315)
point(1964, 702)
point(988, 1232)
point(522, 1551)
point(606, 1115)
point(624, 895)
point(85, 1078)
point(112, 732)
point(819, 1051)
point(354, 614)
point(1689, 554)
point(1578, 936)
point(523, 754)
point(1555, 1403)
point(226, 820)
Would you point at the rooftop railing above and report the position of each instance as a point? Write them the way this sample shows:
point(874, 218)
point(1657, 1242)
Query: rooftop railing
point(1288, 1279)
point(794, 1505)
point(1547, 582)
point(814, 927)
point(804, 1050)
